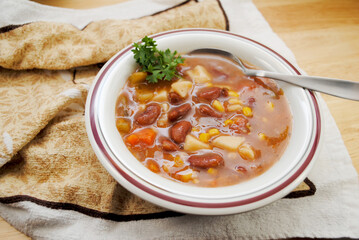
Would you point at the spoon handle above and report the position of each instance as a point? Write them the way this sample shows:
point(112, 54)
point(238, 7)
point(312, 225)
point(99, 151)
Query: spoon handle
point(336, 87)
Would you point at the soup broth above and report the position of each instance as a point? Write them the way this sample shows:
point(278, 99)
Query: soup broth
point(212, 126)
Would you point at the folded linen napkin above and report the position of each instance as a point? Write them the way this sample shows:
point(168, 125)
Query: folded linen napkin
point(52, 188)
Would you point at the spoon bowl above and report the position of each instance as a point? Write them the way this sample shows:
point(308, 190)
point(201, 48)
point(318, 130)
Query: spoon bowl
point(336, 87)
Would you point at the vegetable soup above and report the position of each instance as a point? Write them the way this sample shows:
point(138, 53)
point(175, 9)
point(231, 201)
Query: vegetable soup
point(210, 126)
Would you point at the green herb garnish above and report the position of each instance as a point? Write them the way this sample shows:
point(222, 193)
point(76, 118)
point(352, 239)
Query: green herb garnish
point(160, 65)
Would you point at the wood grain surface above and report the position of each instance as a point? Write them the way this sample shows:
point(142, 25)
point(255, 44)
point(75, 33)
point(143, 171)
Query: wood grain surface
point(323, 35)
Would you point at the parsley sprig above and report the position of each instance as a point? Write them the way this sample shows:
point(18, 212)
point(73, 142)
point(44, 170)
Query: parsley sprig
point(160, 65)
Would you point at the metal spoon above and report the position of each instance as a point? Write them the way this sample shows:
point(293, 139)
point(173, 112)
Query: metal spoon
point(336, 87)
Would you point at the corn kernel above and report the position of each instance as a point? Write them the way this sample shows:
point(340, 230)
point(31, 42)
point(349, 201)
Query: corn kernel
point(218, 106)
point(234, 108)
point(235, 101)
point(228, 122)
point(262, 136)
point(247, 111)
point(212, 171)
point(233, 94)
point(213, 132)
point(270, 106)
point(204, 137)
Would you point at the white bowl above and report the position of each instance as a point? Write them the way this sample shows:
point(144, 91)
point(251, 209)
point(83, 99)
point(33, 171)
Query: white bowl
point(288, 172)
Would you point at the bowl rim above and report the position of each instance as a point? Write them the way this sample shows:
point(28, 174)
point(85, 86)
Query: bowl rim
point(93, 130)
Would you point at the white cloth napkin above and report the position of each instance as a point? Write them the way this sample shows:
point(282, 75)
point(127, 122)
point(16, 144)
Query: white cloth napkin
point(332, 212)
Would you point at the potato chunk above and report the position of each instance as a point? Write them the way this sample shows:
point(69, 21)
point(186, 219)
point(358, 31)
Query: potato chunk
point(182, 87)
point(160, 96)
point(143, 96)
point(137, 77)
point(193, 144)
point(230, 143)
point(199, 74)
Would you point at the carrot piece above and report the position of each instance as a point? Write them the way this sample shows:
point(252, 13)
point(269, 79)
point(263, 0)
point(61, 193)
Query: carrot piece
point(146, 136)
point(153, 166)
point(133, 139)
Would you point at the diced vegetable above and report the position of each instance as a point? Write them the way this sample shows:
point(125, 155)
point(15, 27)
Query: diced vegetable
point(182, 87)
point(204, 137)
point(185, 176)
point(144, 96)
point(123, 125)
point(218, 106)
point(160, 96)
point(234, 108)
point(213, 132)
point(233, 94)
point(235, 101)
point(178, 162)
point(146, 136)
point(133, 139)
point(228, 122)
point(199, 74)
point(193, 144)
point(153, 166)
point(246, 152)
point(240, 124)
point(137, 77)
point(247, 111)
point(165, 107)
point(162, 121)
point(262, 136)
point(230, 143)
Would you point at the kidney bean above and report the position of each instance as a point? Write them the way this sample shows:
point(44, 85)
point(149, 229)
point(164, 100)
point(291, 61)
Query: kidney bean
point(174, 98)
point(224, 92)
point(239, 125)
point(168, 145)
point(209, 93)
point(208, 111)
point(179, 131)
point(179, 112)
point(149, 115)
point(206, 160)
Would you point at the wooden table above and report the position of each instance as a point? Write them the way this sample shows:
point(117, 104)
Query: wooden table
point(323, 35)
